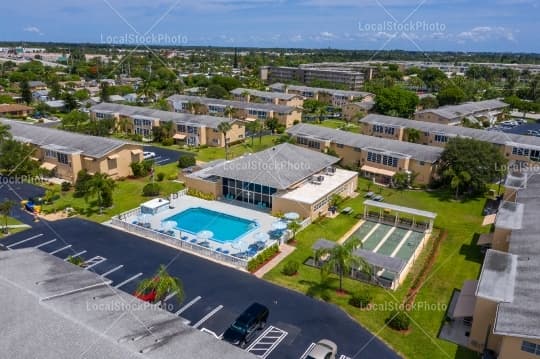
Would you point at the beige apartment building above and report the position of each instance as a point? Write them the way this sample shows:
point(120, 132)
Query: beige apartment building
point(64, 153)
point(379, 159)
point(192, 130)
point(518, 149)
point(246, 111)
point(337, 98)
point(498, 314)
point(276, 98)
point(488, 110)
point(284, 178)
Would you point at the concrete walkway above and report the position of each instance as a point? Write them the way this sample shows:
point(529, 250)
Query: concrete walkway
point(18, 226)
point(285, 250)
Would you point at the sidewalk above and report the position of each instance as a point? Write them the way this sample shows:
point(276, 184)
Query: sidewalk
point(285, 250)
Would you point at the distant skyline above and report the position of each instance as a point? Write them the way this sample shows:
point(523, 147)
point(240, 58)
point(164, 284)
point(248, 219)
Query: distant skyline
point(423, 25)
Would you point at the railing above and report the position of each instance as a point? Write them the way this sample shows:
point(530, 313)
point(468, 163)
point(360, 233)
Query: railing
point(180, 244)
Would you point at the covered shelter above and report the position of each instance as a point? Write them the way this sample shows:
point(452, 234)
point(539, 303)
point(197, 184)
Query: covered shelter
point(154, 206)
point(390, 214)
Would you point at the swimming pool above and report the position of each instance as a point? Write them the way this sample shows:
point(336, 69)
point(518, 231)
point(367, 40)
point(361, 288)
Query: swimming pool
point(226, 228)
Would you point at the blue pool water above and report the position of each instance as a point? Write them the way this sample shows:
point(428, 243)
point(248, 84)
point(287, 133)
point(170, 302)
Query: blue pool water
point(226, 228)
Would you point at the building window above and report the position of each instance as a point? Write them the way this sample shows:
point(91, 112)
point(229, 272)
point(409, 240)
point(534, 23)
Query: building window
point(308, 142)
point(112, 163)
point(383, 159)
point(378, 128)
point(535, 155)
point(520, 151)
point(389, 130)
point(441, 138)
point(181, 128)
point(339, 145)
point(530, 347)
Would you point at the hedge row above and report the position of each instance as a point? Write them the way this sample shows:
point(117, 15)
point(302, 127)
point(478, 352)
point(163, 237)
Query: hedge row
point(262, 258)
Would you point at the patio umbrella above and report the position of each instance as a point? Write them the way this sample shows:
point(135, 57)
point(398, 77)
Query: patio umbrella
point(205, 234)
point(292, 216)
point(168, 225)
point(279, 225)
point(262, 236)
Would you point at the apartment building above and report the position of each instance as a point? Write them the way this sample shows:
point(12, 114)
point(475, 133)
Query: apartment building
point(517, 149)
point(498, 314)
point(353, 80)
point(247, 111)
point(337, 98)
point(276, 98)
point(192, 130)
point(64, 153)
point(488, 110)
point(284, 178)
point(379, 159)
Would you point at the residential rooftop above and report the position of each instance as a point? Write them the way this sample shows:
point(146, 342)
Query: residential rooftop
point(233, 104)
point(150, 113)
point(60, 310)
point(278, 167)
point(278, 86)
point(403, 149)
point(264, 94)
point(495, 137)
point(68, 142)
point(466, 109)
point(6, 108)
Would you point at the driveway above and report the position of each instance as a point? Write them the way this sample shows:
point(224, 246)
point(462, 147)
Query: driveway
point(164, 156)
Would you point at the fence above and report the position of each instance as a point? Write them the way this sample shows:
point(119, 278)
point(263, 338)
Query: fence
point(182, 245)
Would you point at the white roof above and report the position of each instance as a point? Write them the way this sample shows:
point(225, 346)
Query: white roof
point(155, 203)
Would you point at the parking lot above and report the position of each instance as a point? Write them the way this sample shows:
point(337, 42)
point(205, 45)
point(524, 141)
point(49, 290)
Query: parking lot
point(164, 156)
point(214, 295)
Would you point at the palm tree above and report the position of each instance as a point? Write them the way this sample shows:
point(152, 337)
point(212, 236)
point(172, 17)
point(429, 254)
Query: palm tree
point(100, 185)
point(225, 127)
point(228, 112)
point(457, 179)
point(252, 127)
point(5, 210)
point(162, 284)
point(341, 259)
point(320, 113)
point(413, 135)
point(294, 227)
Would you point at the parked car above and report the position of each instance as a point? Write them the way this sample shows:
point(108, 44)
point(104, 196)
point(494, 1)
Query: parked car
point(324, 349)
point(147, 155)
point(246, 326)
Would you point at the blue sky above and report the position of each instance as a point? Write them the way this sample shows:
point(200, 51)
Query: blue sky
point(426, 25)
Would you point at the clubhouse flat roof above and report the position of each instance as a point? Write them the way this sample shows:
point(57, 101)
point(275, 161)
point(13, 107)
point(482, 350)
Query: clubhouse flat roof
point(400, 148)
point(149, 113)
point(63, 141)
point(233, 104)
point(278, 167)
point(56, 310)
point(278, 86)
point(495, 137)
point(466, 109)
point(264, 94)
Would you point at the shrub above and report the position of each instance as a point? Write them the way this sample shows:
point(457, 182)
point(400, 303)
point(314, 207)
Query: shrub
point(172, 177)
point(151, 189)
point(398, 320)
point(186, 161)
point(206, 196)
point(360, 300)
point(291, 268)
point(65, 186)
point(81, 185)
point(160, 176)
point(168, 141)
point(325, 296)
point(262, 258)
point(203, 146)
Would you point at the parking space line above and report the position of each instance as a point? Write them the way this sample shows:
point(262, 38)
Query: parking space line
point(344, 357)
point(207, 316)
point(92, 262)
point(169, 296)
point(185, 307)
point(74, 255)
point(307, 351)
point(267, 342)
point(112, 270)
point(128, 280)
point(61, 249)
point(45, 243)
point(24, 240)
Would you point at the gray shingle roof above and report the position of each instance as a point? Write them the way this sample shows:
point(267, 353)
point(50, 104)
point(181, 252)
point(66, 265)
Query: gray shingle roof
point(69, 142)
point(278, 167)
point(278, 86)
point(465, 109)
point(495, 137)
point(264, 94)
point(233, 104)
point(196, 120)
point(419, 152)
point(521, 317)
point(59, 310)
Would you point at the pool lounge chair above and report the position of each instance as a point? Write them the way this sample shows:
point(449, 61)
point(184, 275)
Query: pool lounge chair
point(218, 249)
point(184, 238)
point(225, 251)
point(194, 240)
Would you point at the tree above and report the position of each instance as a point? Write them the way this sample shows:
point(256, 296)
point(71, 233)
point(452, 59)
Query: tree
point(272, 124)
point(5, 211)
point(451, 95)
point(102, 187)
point(4, 132)
point(341, 259)
point(294, 227)
point(225, 127)
point(216, 91)
point(469, 165)
point(396, 101)
point(228, 112)
point(81, 184)
point(428, 102)
point(400, 180)
point(15, 159)
point(70, 102)
point(26, 93)
point(162, 284)
point(413, 135)
point(431, 77)
point(105, 91)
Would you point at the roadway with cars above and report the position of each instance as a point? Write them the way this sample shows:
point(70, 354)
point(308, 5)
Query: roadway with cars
point(214, 294)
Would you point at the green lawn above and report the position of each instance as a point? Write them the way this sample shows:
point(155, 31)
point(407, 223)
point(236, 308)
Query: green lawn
point(337, 124)
point(11, 221)
point(214, 153)
point(458, 259)
point(126, 196)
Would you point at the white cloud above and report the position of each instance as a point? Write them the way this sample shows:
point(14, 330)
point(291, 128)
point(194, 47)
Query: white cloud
point(485, 33)
point(33, 29)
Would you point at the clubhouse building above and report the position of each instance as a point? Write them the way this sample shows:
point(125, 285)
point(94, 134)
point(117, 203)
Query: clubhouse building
point(489, 110)
point(64, 153)
point(517, 149)
point(375, 158)
point(192, 130)
point(284, 178)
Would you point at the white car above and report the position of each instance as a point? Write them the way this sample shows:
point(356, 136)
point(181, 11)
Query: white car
point(147, 155)
point(324, 349)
